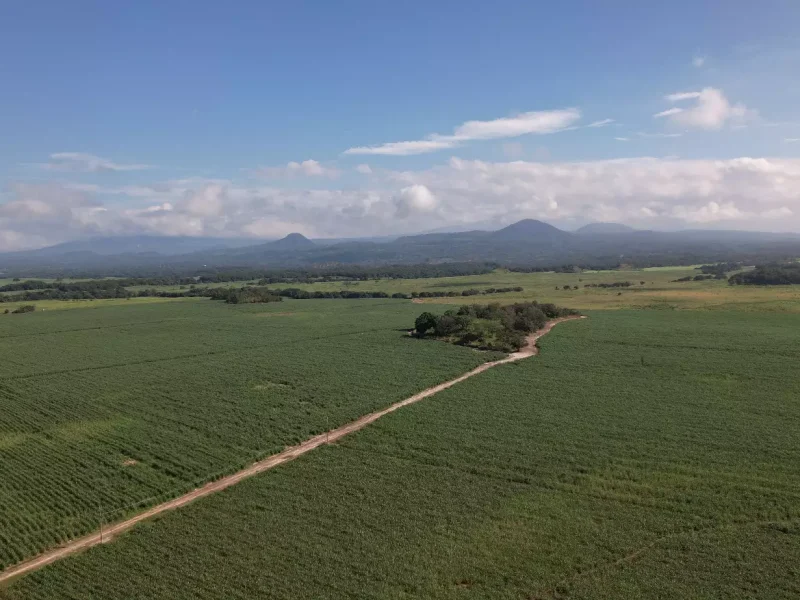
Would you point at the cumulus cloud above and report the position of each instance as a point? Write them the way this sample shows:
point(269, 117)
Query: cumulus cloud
point(414, 199)
point(81, 162)
point(364, 169)
point(698, 61)
point(535, 122)
point(622, 139)
point(745, 193)
point(711, 110)
point(307, 168)
point(602, 123)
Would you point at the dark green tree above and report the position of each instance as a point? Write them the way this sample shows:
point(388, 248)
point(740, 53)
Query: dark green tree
point(425, 322)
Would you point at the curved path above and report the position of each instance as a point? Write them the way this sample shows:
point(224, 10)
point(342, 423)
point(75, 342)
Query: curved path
point(106, 534)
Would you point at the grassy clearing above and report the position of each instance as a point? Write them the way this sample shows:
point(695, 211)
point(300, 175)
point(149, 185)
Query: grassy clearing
point(103, 411)
point(669, 438)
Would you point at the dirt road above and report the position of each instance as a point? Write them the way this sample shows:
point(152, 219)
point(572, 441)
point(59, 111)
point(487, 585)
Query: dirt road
point(110, 531)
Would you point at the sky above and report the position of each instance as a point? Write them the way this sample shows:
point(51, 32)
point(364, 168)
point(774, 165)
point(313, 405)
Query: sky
point(364, 118)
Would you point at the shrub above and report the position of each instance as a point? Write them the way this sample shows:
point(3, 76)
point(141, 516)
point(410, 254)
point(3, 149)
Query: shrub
point(425, 322)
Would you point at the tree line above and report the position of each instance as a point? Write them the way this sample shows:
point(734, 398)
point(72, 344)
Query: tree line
point(772, 274)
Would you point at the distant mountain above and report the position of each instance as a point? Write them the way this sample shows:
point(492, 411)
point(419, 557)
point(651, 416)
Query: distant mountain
point(135, 244)
point(293, 241)
point(525, 243)
point(604, 229)
point(531, 230)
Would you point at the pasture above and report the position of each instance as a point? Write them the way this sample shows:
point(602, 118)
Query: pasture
point(643, 454)
point(105, 411)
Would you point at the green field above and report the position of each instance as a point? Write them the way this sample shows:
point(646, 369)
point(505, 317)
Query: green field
point(659, 291)
point(643, 454)
point(103, 411)
point(646, 453)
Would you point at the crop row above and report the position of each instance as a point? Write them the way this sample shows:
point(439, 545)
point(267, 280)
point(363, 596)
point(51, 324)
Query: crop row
point(82, 442)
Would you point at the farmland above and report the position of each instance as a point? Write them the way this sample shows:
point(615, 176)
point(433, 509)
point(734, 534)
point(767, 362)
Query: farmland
point(652, 288)
point(642, 451)
point(107, 410)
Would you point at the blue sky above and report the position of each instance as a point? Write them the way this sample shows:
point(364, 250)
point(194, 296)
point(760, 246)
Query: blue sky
point(252, 118)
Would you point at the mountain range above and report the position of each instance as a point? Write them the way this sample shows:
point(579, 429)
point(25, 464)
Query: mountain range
point(526, 242)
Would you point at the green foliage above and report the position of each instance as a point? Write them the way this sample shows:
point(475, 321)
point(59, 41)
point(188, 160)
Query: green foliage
point(581, 473)
point(490, 326)
point(776, 274)
point(25, 308)
point(106, 410)
point(425, 322)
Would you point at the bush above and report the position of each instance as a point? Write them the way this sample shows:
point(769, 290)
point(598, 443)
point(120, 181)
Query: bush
point(25, 308)
point(424, 323)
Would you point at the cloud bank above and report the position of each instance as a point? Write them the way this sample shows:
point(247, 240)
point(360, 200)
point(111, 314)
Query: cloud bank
point(743, 193)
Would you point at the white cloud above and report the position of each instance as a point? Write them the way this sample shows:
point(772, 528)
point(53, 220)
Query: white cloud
point(547, 121)
point(622, 139)
point(87, 163)
point(698, 61)
point(602, 123)
point(711, 110)
point(414, 199)
point(404, 148)
point(682, 96)
point(791, 140)
point(364, 169)
point(307, 168)
point(747, 193)
point(536, 122)
point(668, 112)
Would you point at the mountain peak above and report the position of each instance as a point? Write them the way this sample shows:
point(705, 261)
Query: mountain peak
point(530, 229)
point(293, 241)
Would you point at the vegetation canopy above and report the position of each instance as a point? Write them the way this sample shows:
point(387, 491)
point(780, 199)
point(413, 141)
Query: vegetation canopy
point(490, 326)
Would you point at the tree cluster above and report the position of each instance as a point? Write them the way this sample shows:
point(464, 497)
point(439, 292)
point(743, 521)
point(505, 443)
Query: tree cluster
point(243, 295)
point(773, 274)
point(489, 326)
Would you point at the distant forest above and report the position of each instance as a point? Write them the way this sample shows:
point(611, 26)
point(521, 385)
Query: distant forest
point(98, 289)
point(775, 274)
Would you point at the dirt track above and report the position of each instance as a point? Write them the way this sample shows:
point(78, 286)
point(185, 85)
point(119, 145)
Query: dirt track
point(110, 531)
